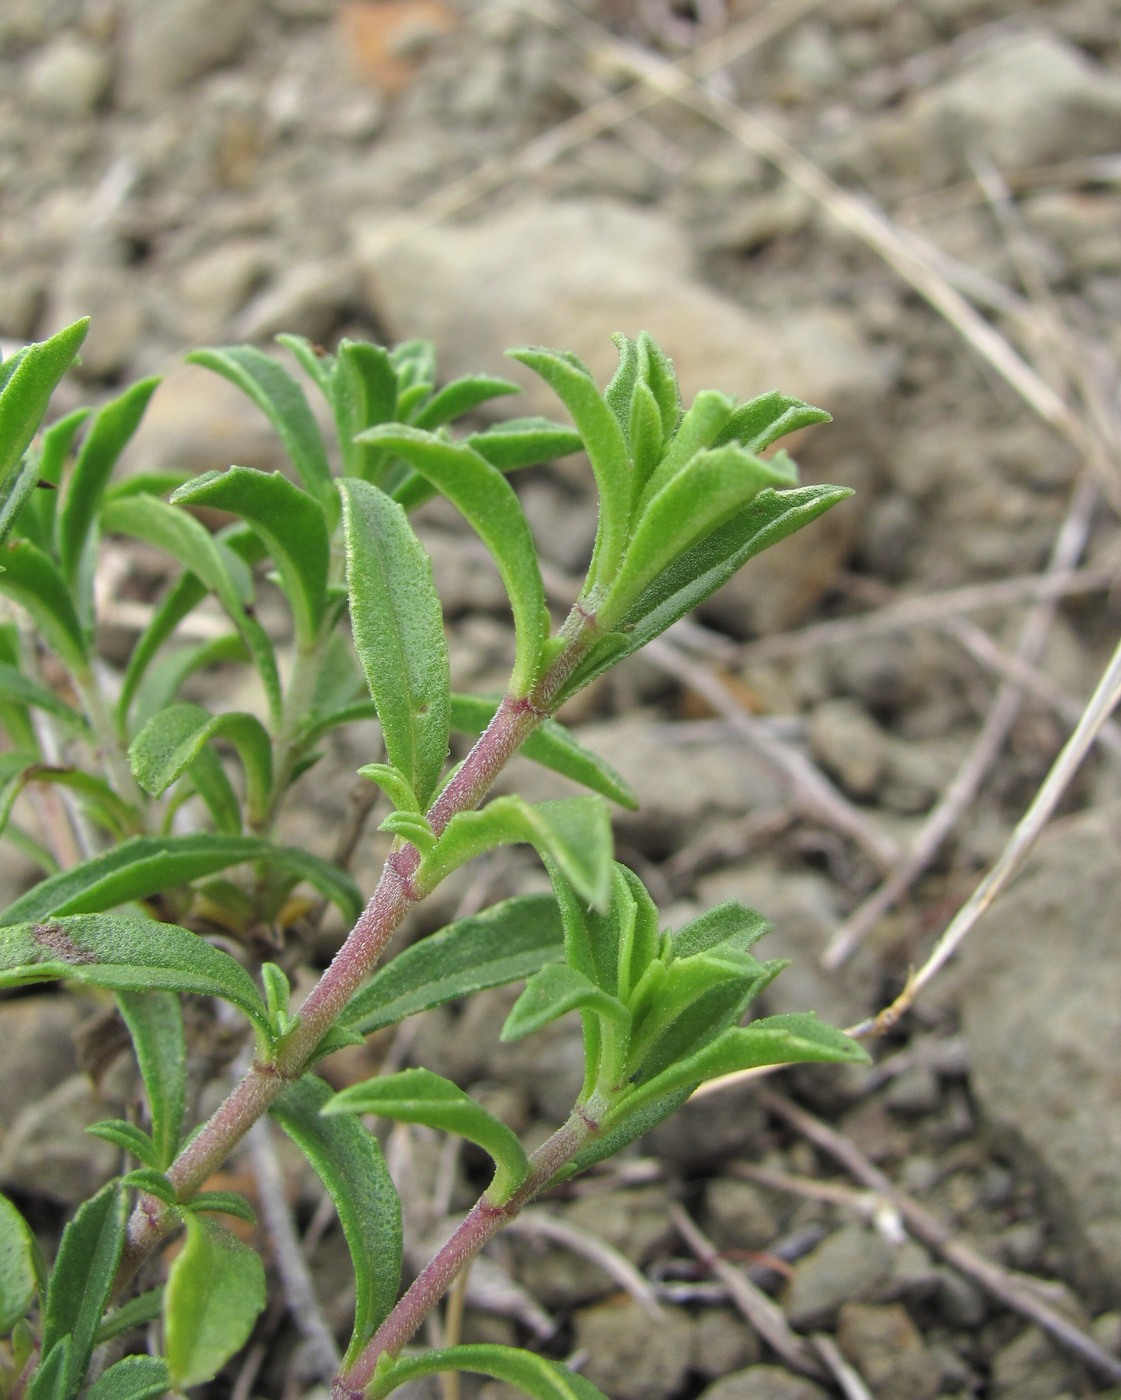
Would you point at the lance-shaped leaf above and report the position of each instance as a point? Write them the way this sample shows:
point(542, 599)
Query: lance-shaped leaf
point(125, 953)
point(503, 944)
point(398, 633)
point(14, 685)
point(290, 522)
point(488, 502)
point(129, 1138)
point(544, 1380)
point(656, 370)
point(18, 1274)
point(52, 1380)
point(460, 397)
point(184, 595)
point(419, 1096)
point(703, 495)
point(645, 434)
point(163, 679)
point(155, 1022)
point(28, 384)
point(361, 387)
point(16, 490)
point(284, 403)
point(699, 572)
point(31, 579)
point(350, 1165)
point(180, 535)
point(37, 523)
point(552, 745)
point(509, 445)
point(132, 1378)
point(606, 446)
point(171, 742)
point(776, 1040)
point(698, 430)
point(215, 1291)
point(763, 420)
point(575, 834)
point(555, 991)
point(108, 435)
point(83, 1273)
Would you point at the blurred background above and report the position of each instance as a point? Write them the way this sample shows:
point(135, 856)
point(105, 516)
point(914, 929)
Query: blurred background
point(909, 214)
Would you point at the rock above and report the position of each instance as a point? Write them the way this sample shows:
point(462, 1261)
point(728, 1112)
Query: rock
point(852, 1265)
point(69, 77)
point(763, 1383)
point(723, 1343)
point(1031, 1368)
point(709, 1131)
point(849, 743)
point(216, 284)
point(1026, 99)
point(571, 273)
point(170, 45)
point(632, 1355)
point(1041, 989)
point(738, 1216)
point(96, 284)
point(45, 1151)
point(886, 1348)
point(37, 1035)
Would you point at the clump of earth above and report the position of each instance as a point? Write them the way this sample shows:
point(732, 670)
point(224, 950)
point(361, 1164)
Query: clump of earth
point(208, 171)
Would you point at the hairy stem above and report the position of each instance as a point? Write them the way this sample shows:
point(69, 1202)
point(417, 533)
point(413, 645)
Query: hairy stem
point(395, 895)
point(483, 1221)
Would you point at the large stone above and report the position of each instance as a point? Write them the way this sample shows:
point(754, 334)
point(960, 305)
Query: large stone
point(632, 1355)
point(172, 44)
point(763, 1383)
point(1042, 988)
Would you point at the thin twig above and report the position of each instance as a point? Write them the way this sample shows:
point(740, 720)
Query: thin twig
point(542, 1225)
point(761, 1312)
point(1007, 1288)
point(846, 1375)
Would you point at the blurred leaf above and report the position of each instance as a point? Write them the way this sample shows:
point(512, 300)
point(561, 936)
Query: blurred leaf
point(283, 402)
point(16, 490)
point(52, 1381)
point(37, 523)
point(544, 1380)
point(155, 1022)
point(18, 1280)
point(27, 388)
point(503, 944)
point(362, 390)
point(419, 1096)
point(31, 579)
point(552, 745)
point(107, 438)
point(132, 1378)
point(171, 741)
point(137, 1312)
point(292, 526)
point(215, 1291)
point(223, 1203)
point(125, 952)
point(350, 1165)
point(14, 685)
point(509, 445)
point(398, 634)
point(574, 833)
point(460, 397)
point(97, 798)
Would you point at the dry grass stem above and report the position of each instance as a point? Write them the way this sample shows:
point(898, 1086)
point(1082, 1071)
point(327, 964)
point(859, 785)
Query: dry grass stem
point(846, 1376)
point(539, 1224)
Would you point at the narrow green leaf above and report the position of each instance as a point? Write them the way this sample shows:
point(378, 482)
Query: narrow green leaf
point(460, 397)
point(655, 369)
point(129, 1138)
point(291, 524)
point(555, 991)
point(16, 490)
point(697, 431)
point(487, 501)
point(691, 578)
point(620, 389)
point(171, 741)
point(644, 1118)
point(552, 745)
point(179, 534)
point(215, 1291)
point(775, 1040)
point(223, 1203)
point(331, 882)
point(108, 436)
point(18, 1280)
point(163, 679)
point(606, 446)
point(83, 1273)
point(419, 1096)
point(394, 784)
point(125, 953)
point(14, 685)
point(98, 800)
point(181, 598)
point(768, 417)
point(645, 434)
point(362, 391)
point(729, 923)
point(574, 833)
point(212, 784)
point(132, 1378)
point(28, 388)
point(503, 944)
point(350, 1165)
point(137, 1312)
point(31, 579)
point(662, 998)
point(544, 1380)
point(283, 402)
point(152, 1183)
point(703, 495)
point(398, 633)
point(414, 363)
point(317, 364)
point(52, 1381)
point(155, 1022)
point(37, 523)
point(523, 442)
